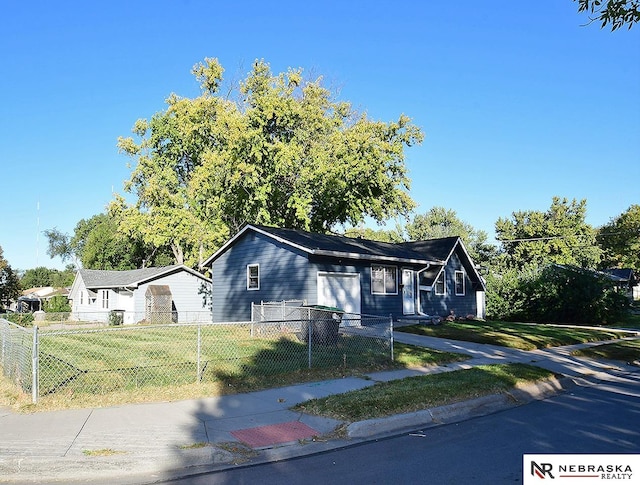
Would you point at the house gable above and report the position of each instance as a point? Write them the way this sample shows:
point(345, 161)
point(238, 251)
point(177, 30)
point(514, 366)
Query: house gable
point(283, 270)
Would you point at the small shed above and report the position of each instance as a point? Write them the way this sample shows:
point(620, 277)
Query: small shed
point(158, 304)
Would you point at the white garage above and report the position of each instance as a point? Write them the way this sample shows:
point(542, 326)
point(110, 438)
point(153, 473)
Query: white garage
point(340, 290)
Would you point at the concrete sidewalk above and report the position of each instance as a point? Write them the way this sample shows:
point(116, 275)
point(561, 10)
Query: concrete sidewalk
point(149, 442)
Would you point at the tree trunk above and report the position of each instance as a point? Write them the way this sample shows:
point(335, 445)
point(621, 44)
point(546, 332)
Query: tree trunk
point(177, 253)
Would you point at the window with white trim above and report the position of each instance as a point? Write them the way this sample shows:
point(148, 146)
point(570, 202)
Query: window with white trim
point(82, 297)
point(440, 286)
point(459, 283)
point(105, 298)
point(253, 277)
point(384, 280)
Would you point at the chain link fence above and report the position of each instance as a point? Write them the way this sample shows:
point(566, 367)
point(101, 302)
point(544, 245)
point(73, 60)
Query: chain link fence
point(101, 359)
point(276, 310)
point(16, 352)
point(110, 317)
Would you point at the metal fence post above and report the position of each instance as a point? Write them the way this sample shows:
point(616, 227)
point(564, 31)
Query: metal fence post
point(310, 334)
point(391, 335)
point(199, 346)
point(253, 317)
point(34, 365)
point(3, 334)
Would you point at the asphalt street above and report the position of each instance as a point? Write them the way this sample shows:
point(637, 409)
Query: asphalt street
point(594, 409)
point(601, 418)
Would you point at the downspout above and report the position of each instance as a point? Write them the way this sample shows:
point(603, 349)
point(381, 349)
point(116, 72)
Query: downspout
point(419, 310)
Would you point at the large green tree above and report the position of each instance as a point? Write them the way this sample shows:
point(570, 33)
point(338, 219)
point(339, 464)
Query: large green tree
point(43, 276)
point(279, 150)
point(559, 235)
point(620, 240)
point(439, 222)
point(98, 243)
point(9, 282)
point(614, 13)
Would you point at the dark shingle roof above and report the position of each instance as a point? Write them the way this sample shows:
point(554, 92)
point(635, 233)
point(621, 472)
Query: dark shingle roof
point(621, 274)
point(432, 254)
point(97, 278)
point(434, 251)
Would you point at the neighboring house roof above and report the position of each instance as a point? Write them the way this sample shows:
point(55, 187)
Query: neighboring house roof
point(617, 275)
point(623, 275)
point(44, 292)
point(97, 278)
point(432, 252)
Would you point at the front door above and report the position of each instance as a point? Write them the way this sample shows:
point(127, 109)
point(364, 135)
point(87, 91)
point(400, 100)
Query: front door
point(408, 292)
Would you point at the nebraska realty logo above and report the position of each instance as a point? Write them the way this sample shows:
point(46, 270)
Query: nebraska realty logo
point(579, 469)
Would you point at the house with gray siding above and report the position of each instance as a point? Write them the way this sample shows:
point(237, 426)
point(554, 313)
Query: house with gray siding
point(418, 279)
point(168, 294)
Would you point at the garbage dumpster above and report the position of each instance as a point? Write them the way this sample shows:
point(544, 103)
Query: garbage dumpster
point(324, 321)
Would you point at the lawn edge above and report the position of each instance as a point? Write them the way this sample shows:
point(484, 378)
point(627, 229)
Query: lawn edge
point(460, 411)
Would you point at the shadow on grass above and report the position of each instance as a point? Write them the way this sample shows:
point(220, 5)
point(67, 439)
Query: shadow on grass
point(285, 362)
point(288, 361)
point(167, 362)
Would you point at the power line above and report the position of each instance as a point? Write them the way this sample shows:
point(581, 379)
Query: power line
point(547, 238)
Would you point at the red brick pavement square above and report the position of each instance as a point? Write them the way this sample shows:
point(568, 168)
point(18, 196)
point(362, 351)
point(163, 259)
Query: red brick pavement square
point(274, 434)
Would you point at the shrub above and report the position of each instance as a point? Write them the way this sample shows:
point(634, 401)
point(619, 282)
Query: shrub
point(567, 294)
point(555, 294)
point(57, 304)
point(24, 319)
point(115, 318)
point(506, 299)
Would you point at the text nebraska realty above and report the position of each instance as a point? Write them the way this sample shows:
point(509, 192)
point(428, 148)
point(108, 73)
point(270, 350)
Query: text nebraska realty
point(606, 472)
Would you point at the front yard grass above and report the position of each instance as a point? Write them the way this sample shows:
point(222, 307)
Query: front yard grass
point(625, 351)
point(515, 335)
point(423, 392)
point(632, 320)
point(106, 389)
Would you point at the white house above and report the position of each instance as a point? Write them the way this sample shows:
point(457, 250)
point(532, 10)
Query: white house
point(171, 293)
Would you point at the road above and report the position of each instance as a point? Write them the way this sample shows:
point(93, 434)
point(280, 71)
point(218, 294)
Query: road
point(603, 418)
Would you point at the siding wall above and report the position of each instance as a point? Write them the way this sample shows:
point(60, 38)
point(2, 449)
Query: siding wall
point(433, 304)
point(88, 310)
point(284, 275)
point(370, 304)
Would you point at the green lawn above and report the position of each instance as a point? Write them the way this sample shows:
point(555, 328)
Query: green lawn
point(422, 392)
point(625, 351)
point(515, 335)
point(130, 361)
point(631, 321)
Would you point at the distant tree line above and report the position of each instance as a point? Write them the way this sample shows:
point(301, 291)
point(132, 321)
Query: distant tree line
point(543, 267)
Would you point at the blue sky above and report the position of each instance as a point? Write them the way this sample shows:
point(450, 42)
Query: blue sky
point(519, 101)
